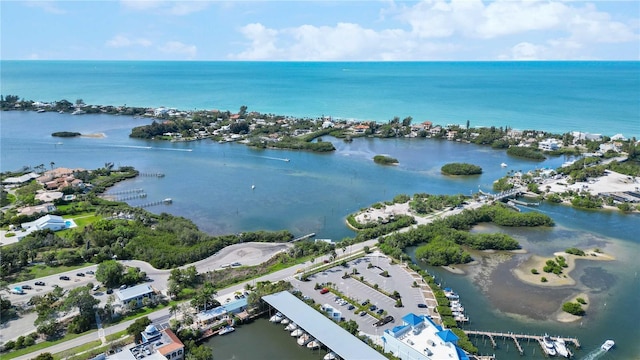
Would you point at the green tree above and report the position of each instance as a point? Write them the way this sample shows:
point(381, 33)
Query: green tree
point(110, 273)
point(199, 352)
point(43, 356)
point(138, 327)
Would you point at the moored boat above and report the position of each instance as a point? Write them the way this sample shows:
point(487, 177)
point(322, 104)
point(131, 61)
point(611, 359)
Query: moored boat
point(330, 356)
point(313, 344)
point(226, 330)
point(304, 339)
point(285, 321)
point(548, 346)
point(297, 332)
point(561, 347)
point(292, 326)
point(607, 345)
point(276, 318)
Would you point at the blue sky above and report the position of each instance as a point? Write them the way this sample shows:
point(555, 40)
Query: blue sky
point(320, 30)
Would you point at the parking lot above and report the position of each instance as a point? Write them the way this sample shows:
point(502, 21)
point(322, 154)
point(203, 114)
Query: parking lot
point(48, 283)
point(369, 267)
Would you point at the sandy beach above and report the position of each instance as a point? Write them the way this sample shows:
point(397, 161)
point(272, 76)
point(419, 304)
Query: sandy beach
point(523, 271)
point(94, 135)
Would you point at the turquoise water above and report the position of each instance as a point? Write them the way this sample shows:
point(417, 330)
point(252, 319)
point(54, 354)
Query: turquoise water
point(597, 97)
point(314, 192)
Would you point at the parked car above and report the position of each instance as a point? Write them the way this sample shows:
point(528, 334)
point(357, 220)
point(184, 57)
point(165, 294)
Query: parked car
point(324, 291)
point(422, 306)
point(363, 313)
point(380, 311)
point(122, 287)
point(27, 287)
point(90, 272)
point(40, 283)
point(364, 303)
point(80, 274)
point(372, 308)
point(109, 291)
point(351, 307)
point(384, 321)
point(64, 277)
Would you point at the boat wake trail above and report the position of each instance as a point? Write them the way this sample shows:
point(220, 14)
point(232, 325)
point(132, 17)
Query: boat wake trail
point(150, 148)
point(594, 354)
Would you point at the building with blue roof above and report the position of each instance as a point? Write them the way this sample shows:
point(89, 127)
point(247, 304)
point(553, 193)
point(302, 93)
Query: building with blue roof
point(419, 338)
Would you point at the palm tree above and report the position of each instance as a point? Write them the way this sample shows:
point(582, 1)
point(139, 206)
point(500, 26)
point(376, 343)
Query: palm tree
point(173, 310)
point(52, 164)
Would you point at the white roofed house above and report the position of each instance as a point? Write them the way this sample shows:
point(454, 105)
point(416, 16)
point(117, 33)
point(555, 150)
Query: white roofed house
point(134, 293)
point(549, 145)
point(52, 222)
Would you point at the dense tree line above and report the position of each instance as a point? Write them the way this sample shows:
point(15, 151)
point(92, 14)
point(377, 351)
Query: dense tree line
point(525, 152)
point(156, 129)
point(427, 203)
point(384, 160)
point(461, 169)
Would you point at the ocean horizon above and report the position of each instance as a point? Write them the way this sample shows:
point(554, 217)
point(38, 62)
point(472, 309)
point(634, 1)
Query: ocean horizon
point(553, 96)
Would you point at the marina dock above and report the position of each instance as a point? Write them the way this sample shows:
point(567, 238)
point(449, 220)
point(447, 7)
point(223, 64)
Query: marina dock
point(516, 337)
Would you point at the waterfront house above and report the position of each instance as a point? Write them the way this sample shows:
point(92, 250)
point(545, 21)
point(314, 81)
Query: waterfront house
point(156, 345)
point(20, 179)
point(549, 145)
point(419, 338)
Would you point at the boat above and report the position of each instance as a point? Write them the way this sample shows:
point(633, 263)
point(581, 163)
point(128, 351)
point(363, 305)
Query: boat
point(607, 345)
point(450, 294)
point(287, 160)
point(78, 112)
point(548, 346)
point(292, 326)
point(253, 187)
point(304, 339)
point(276, 318)
point(226, 330)
point(503, 165)
point(561, 347)
point(330, 356)
point(314, 344)
point(285, 321)
point(297, 332)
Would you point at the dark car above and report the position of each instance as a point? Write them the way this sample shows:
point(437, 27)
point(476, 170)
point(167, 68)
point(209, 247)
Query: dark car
point(80, 274)
point(363, 313)
point(351, 307)
point(384, 321)
point(64, 277)
point(364, 303)
point(40, 283)
point(109, 291)
point(380, 311)
point(422, 306)
point(372, 308)
point(27, 287)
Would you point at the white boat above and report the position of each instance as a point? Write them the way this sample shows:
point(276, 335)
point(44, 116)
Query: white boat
point(226, 330)
point(313, 344)
point(503, 165)
point(276, 318)
point(450, 294)
point(285, 321)
point(292, 326)
point(548, 345)
point(304, 339)
point(607, 345)
point(78, 112)
point(253, 187)
point(561, 347)
point(297, 332)
point(330, 356)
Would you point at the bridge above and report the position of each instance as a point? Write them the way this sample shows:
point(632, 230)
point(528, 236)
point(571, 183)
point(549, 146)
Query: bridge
point(505, 194)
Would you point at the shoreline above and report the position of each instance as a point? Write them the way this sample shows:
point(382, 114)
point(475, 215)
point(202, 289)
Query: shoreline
point(523, 271)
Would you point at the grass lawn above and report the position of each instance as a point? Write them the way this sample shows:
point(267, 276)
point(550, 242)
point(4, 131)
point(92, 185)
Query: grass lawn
point(41, 270)
point(78, 349)
point(43, 345)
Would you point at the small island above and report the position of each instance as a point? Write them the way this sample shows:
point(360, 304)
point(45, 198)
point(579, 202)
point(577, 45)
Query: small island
point(461, 169)
point(66, 134)
point(384, 160)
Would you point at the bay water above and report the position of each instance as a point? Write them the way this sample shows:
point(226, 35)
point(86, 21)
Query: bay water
point(211, 183)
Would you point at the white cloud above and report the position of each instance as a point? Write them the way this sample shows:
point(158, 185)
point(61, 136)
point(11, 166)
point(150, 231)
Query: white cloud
point(120, 41)
point(449, 29)
point(177, 8)
point(180, 49)
point(48, 6)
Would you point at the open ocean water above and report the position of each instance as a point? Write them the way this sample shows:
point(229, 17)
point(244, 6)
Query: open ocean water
point(596, 97)
point(211, 184)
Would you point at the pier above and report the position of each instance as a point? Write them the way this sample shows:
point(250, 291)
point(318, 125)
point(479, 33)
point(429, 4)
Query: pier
point(151, 174)
point(166, 201)
point(304, 237)
point(126, 192)
point(516, 337)
point(131, 197)
point(523, 203)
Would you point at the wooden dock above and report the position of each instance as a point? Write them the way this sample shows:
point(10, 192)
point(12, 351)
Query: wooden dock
point(516, 337)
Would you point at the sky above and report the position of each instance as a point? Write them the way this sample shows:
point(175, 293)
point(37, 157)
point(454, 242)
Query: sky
point(356, 30)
